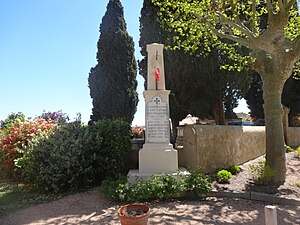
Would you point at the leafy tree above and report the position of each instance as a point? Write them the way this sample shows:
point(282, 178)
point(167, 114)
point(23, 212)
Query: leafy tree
point(113, 81)
point(11, 118)
point(194, 89)
point(273, 51)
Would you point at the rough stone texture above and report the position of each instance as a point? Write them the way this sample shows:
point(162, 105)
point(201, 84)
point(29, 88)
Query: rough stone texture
point(293, 136)
point(211, 147)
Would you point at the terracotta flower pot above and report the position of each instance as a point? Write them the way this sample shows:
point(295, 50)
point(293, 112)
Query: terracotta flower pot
point(134, 214)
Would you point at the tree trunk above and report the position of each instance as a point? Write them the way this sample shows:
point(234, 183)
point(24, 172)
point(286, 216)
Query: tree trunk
point(275, 150)
point(218, 109)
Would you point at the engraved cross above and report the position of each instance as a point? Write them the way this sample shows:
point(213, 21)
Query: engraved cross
point(157, 101)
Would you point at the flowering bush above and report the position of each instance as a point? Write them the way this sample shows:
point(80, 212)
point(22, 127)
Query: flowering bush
point(15, 143)
point(57, 117)
point(76, 155)
point(7, 124)
point(138, 132)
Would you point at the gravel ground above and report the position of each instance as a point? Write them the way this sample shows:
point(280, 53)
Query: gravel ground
point(91, 208)
point(243, 180)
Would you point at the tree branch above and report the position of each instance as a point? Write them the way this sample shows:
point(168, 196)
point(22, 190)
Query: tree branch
point(270, 8)
point(289, 4)
point(240, 40)
point(241, 27)
point(281, 6)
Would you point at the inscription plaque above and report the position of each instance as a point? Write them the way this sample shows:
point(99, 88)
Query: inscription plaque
point(157, 121)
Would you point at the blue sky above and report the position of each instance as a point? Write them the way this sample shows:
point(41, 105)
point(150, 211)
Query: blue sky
point(47, 48)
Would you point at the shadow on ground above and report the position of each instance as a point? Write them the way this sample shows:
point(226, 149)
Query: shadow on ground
point(91, 208)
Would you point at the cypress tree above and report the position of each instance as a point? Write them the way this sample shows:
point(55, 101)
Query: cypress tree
point(254, 97)
point(112, 81)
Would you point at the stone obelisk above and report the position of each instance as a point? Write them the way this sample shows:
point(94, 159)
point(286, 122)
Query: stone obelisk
point(157, 155)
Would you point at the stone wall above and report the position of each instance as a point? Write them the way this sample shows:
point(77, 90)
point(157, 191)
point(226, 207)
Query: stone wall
point(211, 147)
point(293, 136)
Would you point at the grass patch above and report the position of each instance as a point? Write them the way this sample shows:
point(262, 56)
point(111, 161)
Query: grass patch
point(15, 196)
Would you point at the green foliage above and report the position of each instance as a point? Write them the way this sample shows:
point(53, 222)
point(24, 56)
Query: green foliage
point(117, 189)
point(234, 169)
point(115, 145)
point(256, 25)
point(7, 124)
point(223, 176)
point(196, 184)
point(75, 155)
point(289, 148)
point(297, 152)
point(55, 162)
point(112, 81)
point(188, 76)
point(159, 187)
point(16, 143)
point(197, 23)
point(262, 174)
point(11, 118)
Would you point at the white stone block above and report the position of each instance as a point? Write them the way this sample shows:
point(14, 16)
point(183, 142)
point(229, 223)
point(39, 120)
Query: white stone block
point(270, 215)
point(156, 158)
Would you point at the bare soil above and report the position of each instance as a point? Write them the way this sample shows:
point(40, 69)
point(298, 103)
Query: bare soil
point(91, 208)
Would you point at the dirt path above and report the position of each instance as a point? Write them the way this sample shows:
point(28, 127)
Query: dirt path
point(90, 208)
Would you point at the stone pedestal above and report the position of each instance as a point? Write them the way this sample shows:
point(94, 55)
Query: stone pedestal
point(157, 155)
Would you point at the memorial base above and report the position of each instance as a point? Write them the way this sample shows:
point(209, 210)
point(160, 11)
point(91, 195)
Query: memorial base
point(158, 158)
point(154, 159)
point(135, 176)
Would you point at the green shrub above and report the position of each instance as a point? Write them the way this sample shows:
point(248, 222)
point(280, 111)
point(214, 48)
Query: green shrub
point(196, 184)
point(115, 145)
point(76, 155)
point(118, 189)
point(159, 187)
point(223, 176)
point(234, 169)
